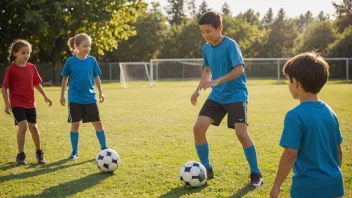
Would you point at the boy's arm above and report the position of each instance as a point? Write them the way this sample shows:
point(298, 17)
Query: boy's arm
point(6, 100)
point(287, 160)
point(41, 91)
point(205, 77)
point(236, 72)
point(63, 88)
point(339, 151)
point(98, 83)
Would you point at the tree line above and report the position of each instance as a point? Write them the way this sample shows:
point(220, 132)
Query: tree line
point(131, 30)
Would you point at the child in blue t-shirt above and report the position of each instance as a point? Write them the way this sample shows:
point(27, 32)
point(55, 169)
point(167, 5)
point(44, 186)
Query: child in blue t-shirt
point(311, 136)
point(83, 72)
point(224, 73)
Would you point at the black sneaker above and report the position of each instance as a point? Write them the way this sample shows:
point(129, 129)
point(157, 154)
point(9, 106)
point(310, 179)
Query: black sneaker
point(256, 180)
point(21, 159)
point(40, 157)
point(210, 173)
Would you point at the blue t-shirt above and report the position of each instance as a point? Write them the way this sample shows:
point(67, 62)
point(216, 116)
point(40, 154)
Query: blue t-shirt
point(81, 74)
point(312, 128)
point(222, 59)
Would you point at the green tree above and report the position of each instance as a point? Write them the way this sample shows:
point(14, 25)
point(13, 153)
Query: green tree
point(344, 14)
point(175, 11)
point(203, 8)
point(317, 36)
point(192, 8)
point(268, 18)
point(146, 44)
point(304, 19)
point(49, 24)
point(323, 17)
point(281, 39)
point(342, 46)
point(250, 16)
point(226, 10)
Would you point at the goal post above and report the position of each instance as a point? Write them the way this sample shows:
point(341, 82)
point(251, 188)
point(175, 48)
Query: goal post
point(135, 71)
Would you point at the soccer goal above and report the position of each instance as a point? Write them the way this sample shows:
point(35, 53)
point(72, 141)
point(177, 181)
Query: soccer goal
point(135, 71)
point(177, 69)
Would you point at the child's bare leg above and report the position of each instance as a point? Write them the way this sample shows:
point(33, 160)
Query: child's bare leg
point(35, 135)
point(242, 135)
point(21, 135)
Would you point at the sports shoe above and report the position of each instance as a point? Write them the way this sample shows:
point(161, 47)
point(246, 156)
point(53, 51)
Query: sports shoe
point(73, 156)
point(21, 159)
point(40, 158)
point(210, 173)
point(256, 180)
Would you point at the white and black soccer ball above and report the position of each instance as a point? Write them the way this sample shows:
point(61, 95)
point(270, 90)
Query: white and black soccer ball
point(193, 174)
point(108, 160)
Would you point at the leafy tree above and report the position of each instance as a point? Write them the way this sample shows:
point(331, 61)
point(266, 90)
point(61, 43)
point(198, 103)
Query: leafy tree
point(344, 14)
point(250, 16)
point(226, 10)
point(323, 17)
point(151, 33)
point(175, 11)
point(203, 8)
point(317, 36)
point(268, 18)
point(191, 5)
point(49, 24)
point(304, 19)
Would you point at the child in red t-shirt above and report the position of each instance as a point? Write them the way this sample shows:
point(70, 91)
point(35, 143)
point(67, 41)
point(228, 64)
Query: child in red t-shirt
point(20, 79)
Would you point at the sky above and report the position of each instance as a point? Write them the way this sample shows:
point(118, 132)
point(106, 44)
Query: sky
point(293, 8)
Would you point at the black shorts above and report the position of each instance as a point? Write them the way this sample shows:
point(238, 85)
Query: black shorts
point(84, 112)
point(237, 112)
point(21, 114)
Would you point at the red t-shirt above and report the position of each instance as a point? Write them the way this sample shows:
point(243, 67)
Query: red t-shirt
point(21, 81)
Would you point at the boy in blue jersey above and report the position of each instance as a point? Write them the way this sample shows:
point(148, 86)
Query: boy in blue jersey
point(83, 72)
point(224, 73)
point(311, 137)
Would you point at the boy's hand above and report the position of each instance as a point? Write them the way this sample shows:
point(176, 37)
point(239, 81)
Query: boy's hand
point(101, 97)
point(62, 100)
point(194, 97)
point(275, 192)
point(48, 100)
point(207, 84)
point(8, 109)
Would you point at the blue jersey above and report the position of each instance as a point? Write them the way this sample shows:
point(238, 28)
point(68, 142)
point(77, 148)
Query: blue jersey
point(222, 59)
point(81, 73)
point(312, 129)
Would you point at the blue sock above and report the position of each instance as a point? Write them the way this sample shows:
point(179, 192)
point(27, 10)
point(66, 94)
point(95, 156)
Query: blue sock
point(251, 156)
point(203, 154)
point(74, 141)
point(102, 139)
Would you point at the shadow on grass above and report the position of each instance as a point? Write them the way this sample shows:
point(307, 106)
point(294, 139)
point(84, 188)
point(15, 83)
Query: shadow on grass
point(72, 187)
point(243, 191)
point(44, 170)
point(7, 166)
point(179, 191)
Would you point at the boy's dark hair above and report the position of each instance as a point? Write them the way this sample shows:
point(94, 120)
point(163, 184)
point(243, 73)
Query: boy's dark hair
point(210, 18)
point(310, 69)
point(16, 46)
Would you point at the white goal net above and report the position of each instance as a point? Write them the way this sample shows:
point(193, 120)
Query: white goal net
point(135, 71)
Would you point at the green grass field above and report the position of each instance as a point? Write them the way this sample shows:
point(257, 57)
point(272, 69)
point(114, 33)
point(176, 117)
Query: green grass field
point(151, 129)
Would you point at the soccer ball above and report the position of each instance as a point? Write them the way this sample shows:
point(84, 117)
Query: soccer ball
point(193, 174)
point(108, 160)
